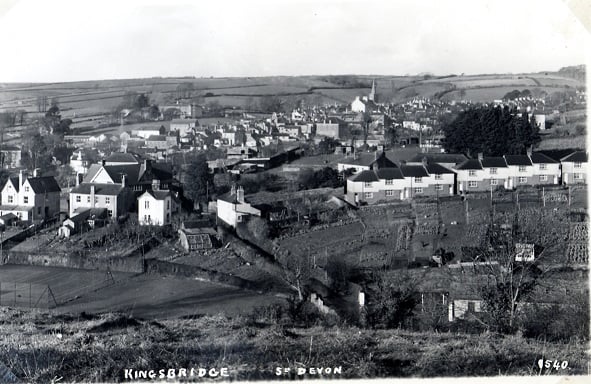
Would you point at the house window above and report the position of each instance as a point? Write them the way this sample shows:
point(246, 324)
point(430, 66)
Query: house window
point(88, 199)
point(107, 200)
point(418, 179)
point(389, 182)
point(494, 182)
point(167, 204)
point(542, 167)
point(10, 199)
point(146, 204)
point(368, 183)
point(472, 172)
point(110, 212)
point(472, 184)
point(96, 199)
point(493, 171)
point(577, 165)
point(389, 192)
point(368, 195)
point(522, 168)
point(439, 187)
point(438, 177)
point(543, 177)
point(419, 190)
point(77, 198)
point(471, 306)
point(27, 189)
point(522, 180)
point(26, 199)
point(38, 210)
point(578, 176)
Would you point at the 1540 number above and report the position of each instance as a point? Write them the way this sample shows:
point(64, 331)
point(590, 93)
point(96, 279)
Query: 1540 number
point(552, 364)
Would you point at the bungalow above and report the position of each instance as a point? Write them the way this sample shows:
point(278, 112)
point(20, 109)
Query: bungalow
point(31, 199)
point(574, 168)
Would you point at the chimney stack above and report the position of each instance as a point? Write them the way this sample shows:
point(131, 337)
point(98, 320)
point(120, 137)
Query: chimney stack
point(92, 196)
point(240, 195)
point(79, 178)
point(123, 180)
point(155, 184)
point(529, 150)
point(233, 190)
point(103, 162)
point(36, 172)
point(480, 156)
point(148, 165)
point(21, 178)
point(425, 161)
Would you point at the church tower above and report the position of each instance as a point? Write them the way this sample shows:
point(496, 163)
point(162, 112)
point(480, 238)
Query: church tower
point(372, 94)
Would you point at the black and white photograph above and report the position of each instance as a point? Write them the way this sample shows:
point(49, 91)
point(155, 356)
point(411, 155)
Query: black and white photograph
point(258, 190)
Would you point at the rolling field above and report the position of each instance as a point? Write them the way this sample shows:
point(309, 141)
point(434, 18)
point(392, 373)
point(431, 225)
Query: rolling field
point(166, 297)
point(77, 290)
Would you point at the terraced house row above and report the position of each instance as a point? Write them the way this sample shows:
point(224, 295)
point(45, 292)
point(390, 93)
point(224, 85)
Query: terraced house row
point(383, 180)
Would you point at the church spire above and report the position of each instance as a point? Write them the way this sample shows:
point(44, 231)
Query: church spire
point(372, 94)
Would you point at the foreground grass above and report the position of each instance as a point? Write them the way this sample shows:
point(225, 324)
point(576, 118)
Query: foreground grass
point(38, 347)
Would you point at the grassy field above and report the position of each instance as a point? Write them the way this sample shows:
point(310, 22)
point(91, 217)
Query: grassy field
point(41, 347)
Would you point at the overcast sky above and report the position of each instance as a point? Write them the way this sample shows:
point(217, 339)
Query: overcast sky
point(63, 40)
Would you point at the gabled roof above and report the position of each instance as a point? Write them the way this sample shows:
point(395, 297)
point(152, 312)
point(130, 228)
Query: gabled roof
point(14, 181)
point(366, 176)
point(157, 138)
point(540, 158)
point(456, 158)
point(437, 169)
point(99, 189)
point(158, 195)
point(576, 157)
point(517, 160)
point(123, 157)
point(44, 184)
point(493, 162)
point(131, 171)
point(389, 173)
point(414, 171)
point(470, 164)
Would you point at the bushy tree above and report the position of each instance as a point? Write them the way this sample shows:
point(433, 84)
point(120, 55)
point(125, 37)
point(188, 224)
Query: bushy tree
point(492, 131)
point(198, 179)
point(391, 303)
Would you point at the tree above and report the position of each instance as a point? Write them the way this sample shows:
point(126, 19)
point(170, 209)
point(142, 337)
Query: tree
point(65, 176)
point(198, 179)
point(392, 301)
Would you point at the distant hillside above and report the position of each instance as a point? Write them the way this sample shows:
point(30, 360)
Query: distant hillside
point(98, 97)
point(577, 72)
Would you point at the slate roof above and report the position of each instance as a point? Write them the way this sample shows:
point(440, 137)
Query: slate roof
point(99, 189)
point(517, 160)
point(470, 164)
point(456, 158)
point(44, 184)
point(159, 195)
point(577, 157)
point(558, 154)
point(117, 171)
point(437, 169)
point(365, 176)
point(389, 173)
point(493, 162)
point(123, 157)
point(540, 158)
point(414, 171)
point(14, 183)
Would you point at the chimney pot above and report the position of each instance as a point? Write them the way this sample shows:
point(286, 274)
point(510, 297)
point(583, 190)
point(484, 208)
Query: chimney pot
point(480, 155)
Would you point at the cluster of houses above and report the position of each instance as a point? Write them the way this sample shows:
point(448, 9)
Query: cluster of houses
point(380, 179)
